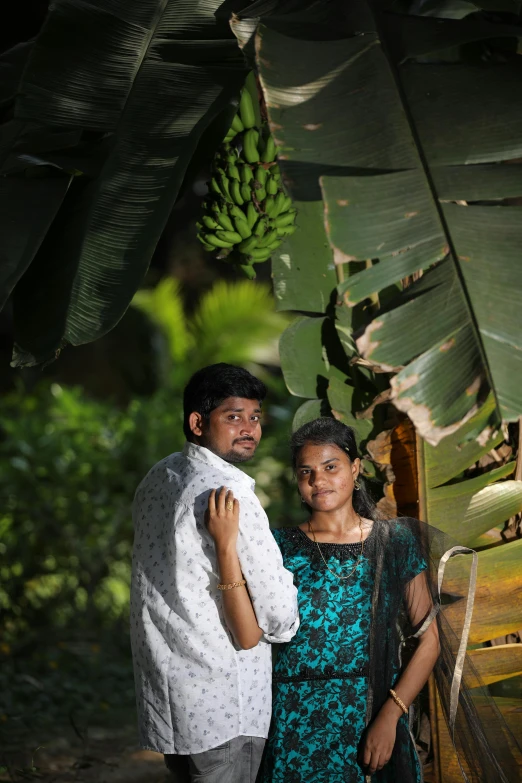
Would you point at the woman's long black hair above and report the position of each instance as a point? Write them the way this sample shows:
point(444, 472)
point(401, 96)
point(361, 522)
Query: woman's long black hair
point(327, 431)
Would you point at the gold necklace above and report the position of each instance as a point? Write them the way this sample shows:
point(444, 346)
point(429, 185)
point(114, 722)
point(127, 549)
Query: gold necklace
point(359, 558)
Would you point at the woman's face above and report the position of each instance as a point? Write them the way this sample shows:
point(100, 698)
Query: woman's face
point(326, 476)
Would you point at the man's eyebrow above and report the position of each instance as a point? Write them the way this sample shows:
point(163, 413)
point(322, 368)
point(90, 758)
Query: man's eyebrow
point(333, 459)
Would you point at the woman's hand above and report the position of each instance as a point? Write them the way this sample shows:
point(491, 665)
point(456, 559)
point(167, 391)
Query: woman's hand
point(223, 518)
point(380, 739)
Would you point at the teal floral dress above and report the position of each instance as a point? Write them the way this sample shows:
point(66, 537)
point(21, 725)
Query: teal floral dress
point(320, 677)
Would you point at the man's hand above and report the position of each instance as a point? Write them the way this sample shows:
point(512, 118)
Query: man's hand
point(380, 738)
point(223, 518)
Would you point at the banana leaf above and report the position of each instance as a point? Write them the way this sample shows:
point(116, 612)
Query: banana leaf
point(119, 95)
point(498, 662)
point(387, 135)
point(499, 579)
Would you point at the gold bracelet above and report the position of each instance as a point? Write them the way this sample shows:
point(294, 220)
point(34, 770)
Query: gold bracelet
point(398, 701)
point(231, 585)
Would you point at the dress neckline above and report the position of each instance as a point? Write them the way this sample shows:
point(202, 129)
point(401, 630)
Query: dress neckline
point(355, 545)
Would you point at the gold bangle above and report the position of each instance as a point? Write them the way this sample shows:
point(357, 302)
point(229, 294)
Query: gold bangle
point(231, 585)
point(398, 701)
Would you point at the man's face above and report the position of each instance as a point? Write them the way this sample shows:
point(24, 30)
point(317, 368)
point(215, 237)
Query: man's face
point(232, 431)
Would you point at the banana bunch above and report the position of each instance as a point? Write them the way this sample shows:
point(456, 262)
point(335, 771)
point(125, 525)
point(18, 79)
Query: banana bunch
point(247, 214)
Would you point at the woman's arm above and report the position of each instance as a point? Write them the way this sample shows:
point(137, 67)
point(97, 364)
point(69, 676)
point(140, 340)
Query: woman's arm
point(380, 738)
point(223, 526)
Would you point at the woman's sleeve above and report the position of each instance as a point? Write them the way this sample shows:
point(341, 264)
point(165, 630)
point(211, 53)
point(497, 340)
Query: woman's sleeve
point(411, 557)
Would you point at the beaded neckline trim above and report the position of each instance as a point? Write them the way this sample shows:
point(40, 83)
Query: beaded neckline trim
point(331, 546)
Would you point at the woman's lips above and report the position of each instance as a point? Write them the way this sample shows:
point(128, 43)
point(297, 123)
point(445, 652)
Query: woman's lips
point(322, 492)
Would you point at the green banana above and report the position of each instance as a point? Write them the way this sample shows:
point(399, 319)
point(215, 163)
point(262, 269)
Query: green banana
point(261, 194)
point(224, 221)
point(250, 150)
point(261, 175)
point(246, 109)
point(229, 236)
point(211, 239)
point(285, 219)
point(287, 204)
point(223, 184)
point(247, 244)
point(278, 204)
point(269, 205)
point(235, 212)
point(260, 253)
point(209, 222)
point(271, 186)
point(260, 228)
point(242, 228)
point(237, 125)
point(215, 187)
point(246, 174)
point(269, 152)
point(252, 214)
point(269, 237)
point(235, 193)
point(204, 242)
point(233, 171)
point(286, 231)
point(275, 244)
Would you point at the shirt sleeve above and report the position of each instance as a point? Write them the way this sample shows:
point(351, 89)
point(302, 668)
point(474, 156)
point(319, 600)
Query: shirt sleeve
point(270, 584)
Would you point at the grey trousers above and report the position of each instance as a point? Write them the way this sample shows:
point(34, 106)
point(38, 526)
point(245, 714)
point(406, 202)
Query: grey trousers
point(236, 761)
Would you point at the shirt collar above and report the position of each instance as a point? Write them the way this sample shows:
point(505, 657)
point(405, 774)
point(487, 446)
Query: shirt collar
point(200, 453)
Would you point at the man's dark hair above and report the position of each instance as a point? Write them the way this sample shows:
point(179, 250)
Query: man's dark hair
point(209, 386)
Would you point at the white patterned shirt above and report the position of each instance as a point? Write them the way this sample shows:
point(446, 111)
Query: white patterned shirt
point(195, 689)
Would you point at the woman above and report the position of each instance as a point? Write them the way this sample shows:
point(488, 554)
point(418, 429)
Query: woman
point(340, 692)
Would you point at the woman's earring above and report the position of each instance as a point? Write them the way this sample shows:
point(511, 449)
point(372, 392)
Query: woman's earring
point(356, 484)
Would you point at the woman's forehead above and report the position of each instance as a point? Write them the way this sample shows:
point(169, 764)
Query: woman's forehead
point(319, 453)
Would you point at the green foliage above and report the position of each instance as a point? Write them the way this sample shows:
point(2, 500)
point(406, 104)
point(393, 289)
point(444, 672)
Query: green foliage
point(104, 115)
point(386, 167)
point(80, 681)
point(71, 464)
point(233, 322)
point(70, 469)
point(471, 506)
point(65, 525)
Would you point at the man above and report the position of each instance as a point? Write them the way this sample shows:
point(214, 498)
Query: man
point(202, 700)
